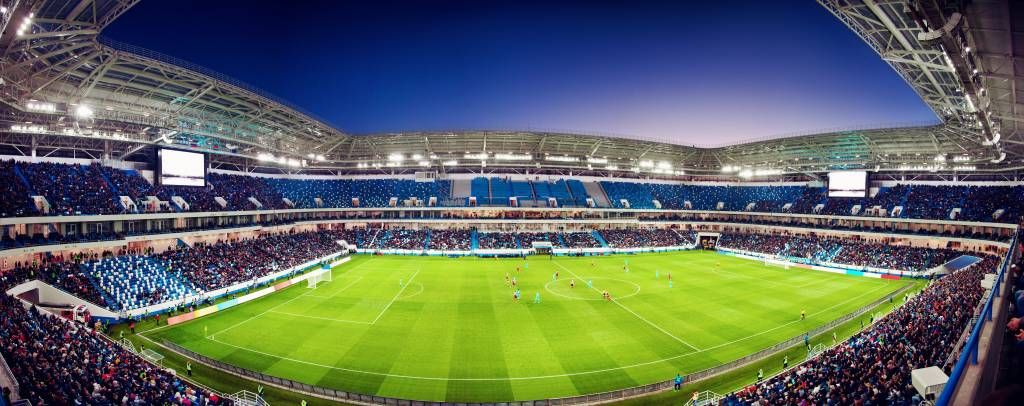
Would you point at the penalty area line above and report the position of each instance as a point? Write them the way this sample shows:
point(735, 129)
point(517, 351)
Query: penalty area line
point(212, 336)
point(388, 306)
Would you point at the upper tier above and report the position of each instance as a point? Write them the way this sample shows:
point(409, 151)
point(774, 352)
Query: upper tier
point(72, 189)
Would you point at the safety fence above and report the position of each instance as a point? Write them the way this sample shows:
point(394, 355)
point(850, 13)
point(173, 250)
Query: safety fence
point(596, 398)
point(6, 370)
point(971, 347)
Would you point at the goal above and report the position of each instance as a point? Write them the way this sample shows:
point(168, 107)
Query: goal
point(317, 276)
point(772, 261)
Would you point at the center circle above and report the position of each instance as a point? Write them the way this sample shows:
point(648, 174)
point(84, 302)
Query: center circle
point(415, 288)
point(618, 288)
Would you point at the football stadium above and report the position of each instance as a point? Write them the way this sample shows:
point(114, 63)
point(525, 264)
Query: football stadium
point(176, 234)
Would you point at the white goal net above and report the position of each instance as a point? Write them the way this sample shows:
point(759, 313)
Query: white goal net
point(772, 261)
point(317, 276)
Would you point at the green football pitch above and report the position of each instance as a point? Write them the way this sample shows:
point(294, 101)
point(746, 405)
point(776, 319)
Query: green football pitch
point(447, 329)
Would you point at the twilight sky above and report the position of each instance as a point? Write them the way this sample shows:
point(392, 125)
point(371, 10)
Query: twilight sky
point(705, 73)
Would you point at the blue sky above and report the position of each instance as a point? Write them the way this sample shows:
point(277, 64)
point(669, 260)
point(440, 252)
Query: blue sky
point(704, 73)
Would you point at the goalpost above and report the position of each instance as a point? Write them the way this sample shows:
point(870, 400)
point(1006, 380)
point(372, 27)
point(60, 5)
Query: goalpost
point(320, 275)
point(772, 261)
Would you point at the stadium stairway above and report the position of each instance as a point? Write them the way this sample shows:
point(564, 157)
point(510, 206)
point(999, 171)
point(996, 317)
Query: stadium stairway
point(577, 192)
point(24, 180)
point(474, 243)
point(360, 238)
point(561, 240)
point(831, 256)
point(595, 191)
point(461, 189)
point(382, 238)
point(599, 238)
point(115, 193)
point(426, 240)
point(903, 202)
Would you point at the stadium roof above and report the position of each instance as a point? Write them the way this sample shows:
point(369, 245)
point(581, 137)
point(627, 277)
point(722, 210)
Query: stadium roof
point(68, 91)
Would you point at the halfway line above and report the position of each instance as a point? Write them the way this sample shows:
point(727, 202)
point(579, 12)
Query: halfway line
point(632, 312)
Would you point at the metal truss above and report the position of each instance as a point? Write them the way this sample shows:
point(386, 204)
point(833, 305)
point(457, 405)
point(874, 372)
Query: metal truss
point(139, 99)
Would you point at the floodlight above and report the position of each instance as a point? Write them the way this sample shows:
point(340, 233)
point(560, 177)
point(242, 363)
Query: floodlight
point(83, 111)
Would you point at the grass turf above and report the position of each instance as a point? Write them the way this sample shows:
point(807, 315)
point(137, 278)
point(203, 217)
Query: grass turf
point(447, 329)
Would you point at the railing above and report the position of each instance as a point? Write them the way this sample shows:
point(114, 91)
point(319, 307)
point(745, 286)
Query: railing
point(246, 398)
point(574, 400)
point(706, 398)
point(6, 370)
point(971, 348)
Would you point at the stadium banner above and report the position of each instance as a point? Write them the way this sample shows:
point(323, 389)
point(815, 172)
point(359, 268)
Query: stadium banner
point(213, 294)
point(824, 267)
point(522, 251)
point(396, 251)
point(581, 251)
point(653, 249)
point(254, 295)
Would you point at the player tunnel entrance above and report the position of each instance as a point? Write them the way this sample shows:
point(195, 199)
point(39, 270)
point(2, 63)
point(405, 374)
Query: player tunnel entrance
point(708, 241)
point(542, 247)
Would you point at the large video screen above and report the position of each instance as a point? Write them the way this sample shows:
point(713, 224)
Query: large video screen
point(181, 168)
point(848, 184)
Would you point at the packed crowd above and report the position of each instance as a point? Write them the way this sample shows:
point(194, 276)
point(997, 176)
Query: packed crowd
point(197, 199)
point(451, 240)
point(873, 367)
point(886, 198)
point(1014, 347)
point(763, 243)
point(14, 197)
point(128, 183)
point(846, 252)
point(71, 189)
point(403, 239)
point(646, 238)
point(526, 239)
point(62, 273)
point(237, 189)
point(886, 256)
point(579, 240)
point(935, 202)
point(226, 263)
point(497, 240)
point(92, 189)
point(60, 363)
point(130, 280)
point(816, 249)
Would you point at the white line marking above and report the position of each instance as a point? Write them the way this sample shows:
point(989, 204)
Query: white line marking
point(358, 278)
point(282, 304)
point(321, 318)
point(414, 294)
point(526, 378)
point(632, 312)
point(547, 286)
point(388, 306)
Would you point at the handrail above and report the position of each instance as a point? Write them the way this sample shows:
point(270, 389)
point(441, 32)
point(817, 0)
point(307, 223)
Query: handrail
point(971, 348)
point(6, 370)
